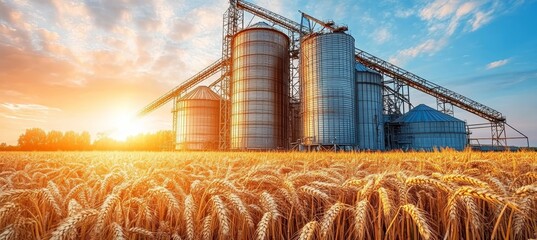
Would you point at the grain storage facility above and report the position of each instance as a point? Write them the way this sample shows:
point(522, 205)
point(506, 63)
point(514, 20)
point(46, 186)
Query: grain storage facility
point(259, 89)
point(304, 86)
point(197, 120)
point(328, 90)
point(369, 117)
point(424, 128)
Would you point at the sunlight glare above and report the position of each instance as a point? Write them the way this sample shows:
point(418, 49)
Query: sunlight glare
point(126, 125)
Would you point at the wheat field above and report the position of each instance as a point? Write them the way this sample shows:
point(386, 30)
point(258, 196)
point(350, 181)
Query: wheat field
point(395, 195)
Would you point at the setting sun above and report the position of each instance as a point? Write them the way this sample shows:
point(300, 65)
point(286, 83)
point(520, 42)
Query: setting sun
point(126, 125)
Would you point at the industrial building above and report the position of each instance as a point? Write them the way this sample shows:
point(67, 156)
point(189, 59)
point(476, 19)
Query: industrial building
point(287, 85)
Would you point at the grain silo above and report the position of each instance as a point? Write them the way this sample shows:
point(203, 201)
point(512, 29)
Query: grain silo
point(328, 90)
point(424, 128)
point(369, 117)
point(197, 120)
point(259, 88)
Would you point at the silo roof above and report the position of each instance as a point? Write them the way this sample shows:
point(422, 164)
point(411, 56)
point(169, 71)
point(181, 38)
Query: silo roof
point(260, 25)
point(424, 113)
point(201, 92)
point(361, 68)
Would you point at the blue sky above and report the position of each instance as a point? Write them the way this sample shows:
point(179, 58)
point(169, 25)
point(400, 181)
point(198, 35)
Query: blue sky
point(85, 65)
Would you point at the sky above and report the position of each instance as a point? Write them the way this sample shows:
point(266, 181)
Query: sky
point(90, 65)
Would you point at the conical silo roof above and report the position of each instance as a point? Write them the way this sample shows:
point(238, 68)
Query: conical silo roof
point(201, 92)
point(361, 68)
point(424, 113)
point(260, 25)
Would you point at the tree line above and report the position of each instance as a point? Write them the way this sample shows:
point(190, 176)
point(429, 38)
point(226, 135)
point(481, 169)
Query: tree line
point(36, 139)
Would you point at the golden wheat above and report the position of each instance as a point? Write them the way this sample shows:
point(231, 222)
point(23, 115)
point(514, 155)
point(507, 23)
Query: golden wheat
point(308, 230)
point(263, 225)
point(278, 195)
point(419, 219)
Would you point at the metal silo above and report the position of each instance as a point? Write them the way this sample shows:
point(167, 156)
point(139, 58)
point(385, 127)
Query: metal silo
point(259, 88)
point(328, 90)
point(369, 115)
point(197, 120)
point(424, 128)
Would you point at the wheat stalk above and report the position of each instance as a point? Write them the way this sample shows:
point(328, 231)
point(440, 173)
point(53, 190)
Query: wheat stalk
point(386, 202)
point(262, 226)
point(207, 228)
point(360, 218)
point(419, 219)
point(239, 205)
point(528, 190)
point(106, 210)
point(296, 201)
point(269, 204)
point(473, 212)
point(464, 179)
point(308, 230)
point(142, 231)
point(119, 234)
point(9, 233)
point(519, 220)
point(71, 223)
point(315, 193)
point(188, 212)
point(7, 211)
point(222, 213)
point(49, 198)
point(166, 195)
point(329, 217)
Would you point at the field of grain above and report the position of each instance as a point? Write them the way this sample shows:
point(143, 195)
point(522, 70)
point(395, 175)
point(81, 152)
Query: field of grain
point(106, 195)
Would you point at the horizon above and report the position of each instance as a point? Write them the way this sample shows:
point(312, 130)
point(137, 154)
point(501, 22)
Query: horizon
point(88, 66)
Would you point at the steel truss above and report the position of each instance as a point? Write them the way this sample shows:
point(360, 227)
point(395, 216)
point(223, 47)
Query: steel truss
point(233, 22)
point(396, 97)
point(396, 94)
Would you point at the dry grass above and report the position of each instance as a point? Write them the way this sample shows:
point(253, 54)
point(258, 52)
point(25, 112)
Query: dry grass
point(439, 195)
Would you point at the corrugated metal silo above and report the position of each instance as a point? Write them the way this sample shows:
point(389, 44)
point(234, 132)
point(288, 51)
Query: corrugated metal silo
point(369, 118)
point(328, 89)
point(424, 128)
point(259, 88)
point(197, 120)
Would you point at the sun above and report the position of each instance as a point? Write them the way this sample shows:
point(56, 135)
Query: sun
point(126, 125)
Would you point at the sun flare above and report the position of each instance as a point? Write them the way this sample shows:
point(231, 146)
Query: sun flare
point(126, 125)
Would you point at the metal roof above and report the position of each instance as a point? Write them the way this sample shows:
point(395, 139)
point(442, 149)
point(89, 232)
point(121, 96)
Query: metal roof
point(424, 113)
point(361, 68)
point(260, 25)
point(201, 92)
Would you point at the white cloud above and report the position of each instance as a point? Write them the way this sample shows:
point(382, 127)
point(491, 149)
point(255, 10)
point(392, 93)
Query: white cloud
point(439, 9)
point(28, 107)
point(447, 18)
point(480, 19)
point(404, 13)
point(381, 35)
point(429, 46)
point(497, 64)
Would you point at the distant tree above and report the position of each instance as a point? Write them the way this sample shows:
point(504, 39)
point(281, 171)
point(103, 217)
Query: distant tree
point(5, 147)
point(69, 141)
point(54, 140)
point(104, 143)
point(166, 140)
point(33, 139)
point(83, 141)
